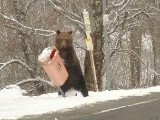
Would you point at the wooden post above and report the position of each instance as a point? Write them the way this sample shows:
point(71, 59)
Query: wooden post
point(94, 71)
point(89, 45)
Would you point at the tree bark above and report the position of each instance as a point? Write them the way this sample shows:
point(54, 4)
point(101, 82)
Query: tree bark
point(18, 11)
point(155, 34)
point(98, 43)
point(135, 63)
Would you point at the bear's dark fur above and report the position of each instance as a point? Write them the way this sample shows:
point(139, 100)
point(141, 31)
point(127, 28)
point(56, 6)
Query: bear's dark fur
point(76, 80)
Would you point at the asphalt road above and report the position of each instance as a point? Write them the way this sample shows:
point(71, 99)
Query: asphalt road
point(132, 108)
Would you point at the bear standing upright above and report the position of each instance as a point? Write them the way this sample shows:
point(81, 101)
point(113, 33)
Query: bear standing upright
point(75, 80)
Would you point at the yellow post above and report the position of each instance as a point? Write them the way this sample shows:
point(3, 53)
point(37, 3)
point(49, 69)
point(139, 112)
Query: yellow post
point(89, 45)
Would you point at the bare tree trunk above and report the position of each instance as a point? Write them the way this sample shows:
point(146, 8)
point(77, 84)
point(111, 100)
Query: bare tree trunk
point(135, 63)
point(17, 9)
point(154, 29)
point(97, 29)
point(155, 34)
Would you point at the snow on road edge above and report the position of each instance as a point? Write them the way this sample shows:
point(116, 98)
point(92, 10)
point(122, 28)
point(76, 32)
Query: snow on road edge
point(14, 105)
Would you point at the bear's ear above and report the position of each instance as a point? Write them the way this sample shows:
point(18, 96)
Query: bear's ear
point(58, 31)
point(70, 32)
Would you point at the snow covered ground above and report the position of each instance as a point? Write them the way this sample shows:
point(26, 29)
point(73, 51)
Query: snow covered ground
point(14, 105)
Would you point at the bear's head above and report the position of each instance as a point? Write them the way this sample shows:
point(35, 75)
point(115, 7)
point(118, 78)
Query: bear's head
point(63, 40)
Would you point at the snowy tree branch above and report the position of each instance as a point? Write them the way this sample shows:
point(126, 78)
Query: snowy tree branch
point(37, 79)
point(132, 52)
point(61, 11)
point(78, 46)
point(29, 5)
point(119, 4)
point(129, 18)
point(18, 62)
point(124, 5)
point(36, 31)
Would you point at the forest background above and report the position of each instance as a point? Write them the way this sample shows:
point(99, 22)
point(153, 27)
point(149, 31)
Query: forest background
point(133, 29)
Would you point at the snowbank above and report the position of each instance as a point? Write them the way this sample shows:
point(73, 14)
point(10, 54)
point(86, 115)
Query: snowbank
point(14, 105)
point(11, 92)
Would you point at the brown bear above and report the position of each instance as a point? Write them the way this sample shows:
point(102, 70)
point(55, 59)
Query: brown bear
point(75, 80)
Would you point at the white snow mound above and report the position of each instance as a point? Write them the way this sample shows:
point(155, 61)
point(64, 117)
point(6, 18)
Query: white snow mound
point(45, 55)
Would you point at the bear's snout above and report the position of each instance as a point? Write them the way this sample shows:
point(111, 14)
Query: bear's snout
point(63, 44)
